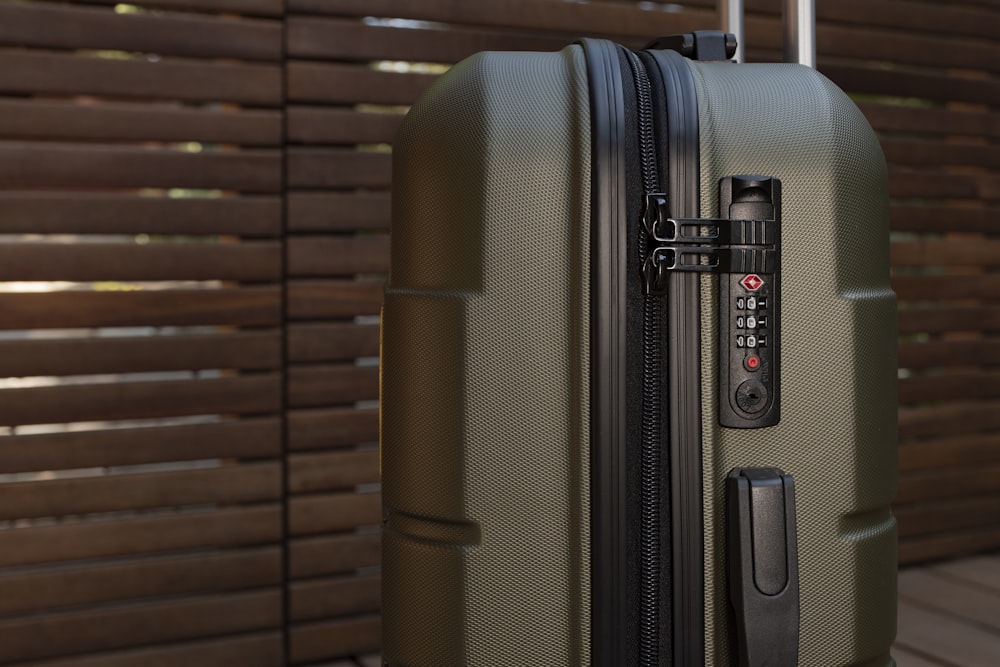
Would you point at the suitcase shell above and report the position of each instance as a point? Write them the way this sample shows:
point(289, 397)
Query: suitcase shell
point(491, 387)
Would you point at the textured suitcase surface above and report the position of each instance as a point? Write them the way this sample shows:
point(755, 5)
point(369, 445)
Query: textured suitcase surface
point(496, 486)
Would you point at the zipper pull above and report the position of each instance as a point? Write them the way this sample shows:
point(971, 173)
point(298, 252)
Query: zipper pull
point(654, 212)
point(654, 270)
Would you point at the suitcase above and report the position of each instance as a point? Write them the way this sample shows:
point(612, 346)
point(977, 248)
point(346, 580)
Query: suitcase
point(638, 366)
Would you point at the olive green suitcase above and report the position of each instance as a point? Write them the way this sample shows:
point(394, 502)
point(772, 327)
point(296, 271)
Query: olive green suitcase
point(638, 367)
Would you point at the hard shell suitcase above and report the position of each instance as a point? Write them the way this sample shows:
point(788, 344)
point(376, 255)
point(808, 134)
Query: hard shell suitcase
point(638, 366)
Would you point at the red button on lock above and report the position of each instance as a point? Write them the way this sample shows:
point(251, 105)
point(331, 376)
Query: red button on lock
point(752, 362)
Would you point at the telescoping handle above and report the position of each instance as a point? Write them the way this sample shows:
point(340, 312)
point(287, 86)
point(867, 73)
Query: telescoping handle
point(799, 33)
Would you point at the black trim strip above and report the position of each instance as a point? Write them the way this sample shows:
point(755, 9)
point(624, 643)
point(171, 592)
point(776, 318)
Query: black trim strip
point(684, 359)
point(609, 574)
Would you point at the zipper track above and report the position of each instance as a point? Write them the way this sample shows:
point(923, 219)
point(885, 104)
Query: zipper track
point(653, 313)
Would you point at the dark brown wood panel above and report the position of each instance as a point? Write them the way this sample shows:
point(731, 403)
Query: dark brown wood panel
point(936, 185)
point(953, 451)
point(943, 516)
point(324, 428)
point(323, 299)
point(935, 219)
point(936, 121)
point(346, 39)
point(30, 165)
point(926, 252)
point(316, 256)
point(89, 262)
point(260, 306)
point(82, 356)
point(958, 598)
point(248, 7)
point(135, 625)
point(248, 394)
point(941, 319)
point(67, 27)
point(332, 554)
point(940, 635)
point(923, 153)
point(328, 384)
point(336, 211)
point(941, 420)
point(83, 539)
point(952, 483)
point(336, 341)
point(943, 287)
point(937, 354)
point(337, 596)
point(338, 125)
point(328, 513)
point(93, 583)
point(262, 649)
point(332, 471)
point(246, 438)
point(949, 388)
point(228, 484)
point(51, 73)
point(950, 545)
point(924, 84)
point(338, 168)
point(349, 84)
point(334, 639)
point(105, 213)
point(134, 121)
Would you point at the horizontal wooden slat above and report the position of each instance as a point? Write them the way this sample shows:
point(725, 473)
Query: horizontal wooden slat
point(938, 86)
point(94, 583)
point(329, 384)
point(247, 438)
point(936, 421)
point(332, 554)
point(264, 649)
point(184, 307)
point(308, 515)
point(88, 262)
point(67, 27)
point(316, 256)
point(941, 185)
point(248, 7)
point(940, 635)
point(934, 485)
point(949, 387)
point(229, 527)
point(332, 471)
point(950, 545)
point(338, 168)
point(956, 318)
point(348, 84)
point(945, 516)
point(102, 213)
point(249, 482)
point(331, 427)
point(983, 571)
point(65, 120)
point(945, 252)
point(949, 353)
point(937, 219)
point(167, 79)
point(956, 598)
point(135, 625)
point(141, 400)
point(892, 118)
point(27, 165)
point(330, 342)
point(933, 153)
point(332, 211)
point(949, 451)
point(346, 39)
point(340, 596)
point(945, 287)
point(318, 299)
point(334, 639)
point(80, 356)
point(319, 125)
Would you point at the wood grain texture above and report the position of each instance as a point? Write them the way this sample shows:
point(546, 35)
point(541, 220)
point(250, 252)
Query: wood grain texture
point(335, 596)
point(246, 7)
point(324, 428)
point(316, 256)
point(332, 512)
point(334, 639)
point(331, 341)
point(330, 384)
point(326, 299)
point(332, 471)
point(333, 554)
point(338, 211)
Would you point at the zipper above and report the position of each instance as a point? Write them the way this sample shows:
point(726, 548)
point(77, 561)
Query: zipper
point(653, 314)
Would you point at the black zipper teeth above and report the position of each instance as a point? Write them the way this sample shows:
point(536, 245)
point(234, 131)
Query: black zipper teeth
point(652, 366)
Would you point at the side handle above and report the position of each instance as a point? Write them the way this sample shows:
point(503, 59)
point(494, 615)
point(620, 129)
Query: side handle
point(763, 566)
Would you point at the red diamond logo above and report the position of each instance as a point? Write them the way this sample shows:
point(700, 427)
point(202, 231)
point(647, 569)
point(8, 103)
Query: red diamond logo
point(752, 282)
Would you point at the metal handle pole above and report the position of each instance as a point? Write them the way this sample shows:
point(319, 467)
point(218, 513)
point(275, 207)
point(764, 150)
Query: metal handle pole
point(800, 32)
point(731, 12)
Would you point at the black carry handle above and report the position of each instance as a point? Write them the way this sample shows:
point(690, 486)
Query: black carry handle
point(763, 566)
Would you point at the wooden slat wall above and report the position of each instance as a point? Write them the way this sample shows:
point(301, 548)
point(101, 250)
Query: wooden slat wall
point(141, 353)
point(200, 190)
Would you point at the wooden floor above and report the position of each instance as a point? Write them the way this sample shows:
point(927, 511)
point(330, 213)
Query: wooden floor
point(949, 614)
